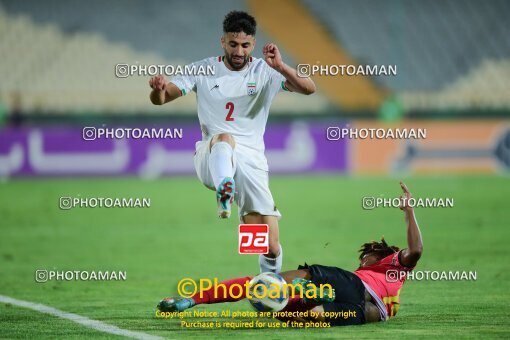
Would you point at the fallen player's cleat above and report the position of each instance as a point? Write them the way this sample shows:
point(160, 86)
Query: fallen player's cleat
point(225, 197)
point(175, 304)
point(307, 289)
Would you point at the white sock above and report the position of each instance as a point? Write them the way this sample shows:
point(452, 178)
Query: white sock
point(279, 260)
point(220, 162)
point(268, 264)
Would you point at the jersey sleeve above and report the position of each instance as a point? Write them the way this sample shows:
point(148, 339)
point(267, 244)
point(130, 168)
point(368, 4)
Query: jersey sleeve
point(277, 81)
point(185, 83)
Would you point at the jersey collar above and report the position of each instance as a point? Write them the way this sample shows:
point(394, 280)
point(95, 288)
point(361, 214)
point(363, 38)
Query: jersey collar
point(220, 59)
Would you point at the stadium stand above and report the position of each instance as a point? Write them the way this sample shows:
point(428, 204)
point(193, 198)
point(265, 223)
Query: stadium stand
point(449, 54)
point(485, 87)
point(433, 42)
point(67, 51)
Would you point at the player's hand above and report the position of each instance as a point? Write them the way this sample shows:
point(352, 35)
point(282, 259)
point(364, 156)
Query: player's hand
point(272, 56)
point(158, 83)
point(404, 203)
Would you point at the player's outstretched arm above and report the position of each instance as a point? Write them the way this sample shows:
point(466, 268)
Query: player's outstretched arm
point(293, 82)
point(410, 256)
point(162, 92)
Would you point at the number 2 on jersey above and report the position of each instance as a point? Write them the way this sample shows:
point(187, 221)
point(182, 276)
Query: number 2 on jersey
point(230, 108)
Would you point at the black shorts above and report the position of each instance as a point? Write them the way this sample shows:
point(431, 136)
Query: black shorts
point(349, 294)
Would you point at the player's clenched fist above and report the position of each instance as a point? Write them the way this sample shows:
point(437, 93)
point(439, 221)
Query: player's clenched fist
point(272, 56)
point(158, 82)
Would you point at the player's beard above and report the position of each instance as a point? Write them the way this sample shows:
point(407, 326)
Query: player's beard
point(236, 67)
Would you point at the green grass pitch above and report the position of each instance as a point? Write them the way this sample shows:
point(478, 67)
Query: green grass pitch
point(180, 236)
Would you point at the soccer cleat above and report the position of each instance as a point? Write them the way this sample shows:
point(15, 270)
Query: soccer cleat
point(225, 197)
point(175, 304)
point(307, 288)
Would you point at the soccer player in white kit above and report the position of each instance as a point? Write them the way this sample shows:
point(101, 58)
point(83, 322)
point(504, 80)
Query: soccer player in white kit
point(233, 107)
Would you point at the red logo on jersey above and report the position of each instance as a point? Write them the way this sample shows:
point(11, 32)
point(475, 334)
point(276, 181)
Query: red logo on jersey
point(253, 239)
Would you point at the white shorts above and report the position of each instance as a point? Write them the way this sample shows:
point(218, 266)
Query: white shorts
point(251, 183)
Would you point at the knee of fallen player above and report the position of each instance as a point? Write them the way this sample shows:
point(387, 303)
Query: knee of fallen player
point(371, 312)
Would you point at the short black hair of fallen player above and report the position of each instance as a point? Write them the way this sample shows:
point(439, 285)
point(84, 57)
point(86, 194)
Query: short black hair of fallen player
point(380, 249)
point(238, 21)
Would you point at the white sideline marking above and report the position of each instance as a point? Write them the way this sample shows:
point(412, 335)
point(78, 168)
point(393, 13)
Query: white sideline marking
point(82, 320)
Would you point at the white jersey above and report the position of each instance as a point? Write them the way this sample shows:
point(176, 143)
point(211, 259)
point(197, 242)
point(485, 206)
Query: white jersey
point(235, 102)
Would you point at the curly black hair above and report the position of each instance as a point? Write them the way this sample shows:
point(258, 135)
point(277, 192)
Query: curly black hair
point(238, 21)
point(380, 249)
